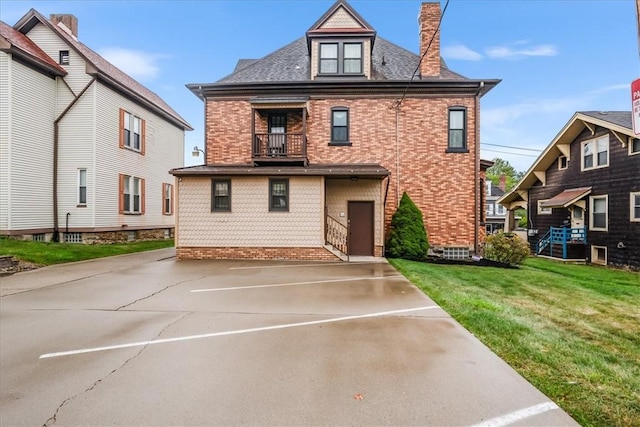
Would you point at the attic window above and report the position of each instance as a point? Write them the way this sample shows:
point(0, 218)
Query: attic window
point(562, 162)
point(64, 57)
point(341, 58)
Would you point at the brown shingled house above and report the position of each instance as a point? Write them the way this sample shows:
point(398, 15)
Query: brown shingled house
point(309, 149)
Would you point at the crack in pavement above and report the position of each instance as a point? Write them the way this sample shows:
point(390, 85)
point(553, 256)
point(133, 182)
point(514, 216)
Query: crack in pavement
point(52, 420)
point(159, 291)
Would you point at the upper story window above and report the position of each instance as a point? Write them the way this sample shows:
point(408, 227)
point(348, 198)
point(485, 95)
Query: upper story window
point(341, 58)
point(457, 130)
point(562, 162)
point(167, 199)
point(132, 132)
point(543, 210)
point(131, 195)
point(595, 153)
point(634, 146)
point(82, 187)
point(339, 125)
point(635, 207)
point(64, 57)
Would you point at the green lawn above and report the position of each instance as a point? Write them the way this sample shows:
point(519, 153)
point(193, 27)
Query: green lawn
point(42, 253)
point(572, 330)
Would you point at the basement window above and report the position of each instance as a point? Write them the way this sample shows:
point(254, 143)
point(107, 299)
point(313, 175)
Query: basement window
point(73, 237)
point(455, 253)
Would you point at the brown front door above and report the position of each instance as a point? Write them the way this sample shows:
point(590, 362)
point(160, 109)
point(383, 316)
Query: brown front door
point(361, 216)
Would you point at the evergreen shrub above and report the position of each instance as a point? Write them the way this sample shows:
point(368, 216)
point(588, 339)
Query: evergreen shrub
point(408, 237)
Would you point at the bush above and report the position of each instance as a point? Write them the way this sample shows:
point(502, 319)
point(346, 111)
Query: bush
point(408, 237)
point(507, 248)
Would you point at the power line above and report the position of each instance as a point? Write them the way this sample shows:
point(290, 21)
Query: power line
point(515, 148)
point(506, 152)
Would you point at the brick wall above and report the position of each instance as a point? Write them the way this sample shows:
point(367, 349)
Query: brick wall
point(314, 254)
point(443, 185)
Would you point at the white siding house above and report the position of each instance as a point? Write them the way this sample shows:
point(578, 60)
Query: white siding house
point(85, 149)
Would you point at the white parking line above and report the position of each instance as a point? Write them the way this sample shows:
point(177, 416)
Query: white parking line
point(295, 284)
point(511, 418)
point(238, 332)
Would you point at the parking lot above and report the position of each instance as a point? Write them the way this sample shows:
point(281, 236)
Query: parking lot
point(144, 339)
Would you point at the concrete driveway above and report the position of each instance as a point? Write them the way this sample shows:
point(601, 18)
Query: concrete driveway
point(144, 339)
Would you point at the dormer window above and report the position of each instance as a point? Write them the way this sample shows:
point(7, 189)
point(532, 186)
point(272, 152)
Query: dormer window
point(64, 57)
point(341, 58)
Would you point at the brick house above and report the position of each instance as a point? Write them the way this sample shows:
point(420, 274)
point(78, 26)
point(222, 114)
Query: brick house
point(309, 149)
point(582, 194)
point(85, 150)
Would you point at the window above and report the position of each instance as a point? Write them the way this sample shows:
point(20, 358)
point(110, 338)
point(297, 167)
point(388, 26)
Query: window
point(542, 210)
point(38, 237)
point(598, 208)
point(167, 199)
point(279, 195)
point(595, 153)
point(599, 255)
point(64, 57)
point(340, 125)
point(499, 209)
point(72, 237)
point(132, 132)
point(562, 162)
point(635, 207)
point(341, 58)
point(490, 209)
point(82, 187)
point(132, 199)
point(634, 146)
point(221, 195)
point(457, 130)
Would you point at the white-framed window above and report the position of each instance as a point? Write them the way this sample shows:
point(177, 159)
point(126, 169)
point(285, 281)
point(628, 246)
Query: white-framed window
point(634, 203)
point(132, 197)
point(82, 187)
point(132, 132)
point(563, 162)
point(542, 210)
point(167, 199)
point(634, 146)
point(599, 255)
point(499, 209)
point(490, 209)
point(595, 153)
point(598, 217)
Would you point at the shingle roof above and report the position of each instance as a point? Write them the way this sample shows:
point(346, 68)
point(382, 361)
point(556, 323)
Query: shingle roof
point(23, 46)
point(620, 118)
point(291, 64)
point(109, 70)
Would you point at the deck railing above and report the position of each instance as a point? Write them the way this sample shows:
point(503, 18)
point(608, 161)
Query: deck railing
point(279, 145)
point(337, 235)
point(562, 236)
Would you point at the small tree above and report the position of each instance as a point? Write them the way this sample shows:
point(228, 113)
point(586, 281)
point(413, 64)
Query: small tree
point(507, 248)
point(408, 237)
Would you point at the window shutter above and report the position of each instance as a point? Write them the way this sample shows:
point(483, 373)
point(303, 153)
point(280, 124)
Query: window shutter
point(164, 191)
point(171, 204)
point(142, 196)
point(143, 136)
point(121, 193)
point(121, 129)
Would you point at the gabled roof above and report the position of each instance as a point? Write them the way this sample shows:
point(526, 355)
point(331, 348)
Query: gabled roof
point(106, 71)
point(618, 122)
point(18, 44)
point(340, 4)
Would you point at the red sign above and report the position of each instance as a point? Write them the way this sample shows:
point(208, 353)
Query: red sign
point(635, 105)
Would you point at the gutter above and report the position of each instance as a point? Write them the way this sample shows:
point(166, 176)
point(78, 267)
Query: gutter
point(56, 231)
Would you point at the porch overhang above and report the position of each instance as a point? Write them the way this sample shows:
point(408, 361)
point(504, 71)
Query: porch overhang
point(342, 171)
point(262, 103)
point(566, 198)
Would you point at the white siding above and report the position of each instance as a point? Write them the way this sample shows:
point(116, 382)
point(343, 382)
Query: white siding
point(52, 44)
point(5, 61)
point(164, 151)
point(30, 147)
point(250, 224)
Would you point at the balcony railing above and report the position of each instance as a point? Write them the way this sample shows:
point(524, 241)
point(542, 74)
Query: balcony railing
point(280, 147)
point(561, 236)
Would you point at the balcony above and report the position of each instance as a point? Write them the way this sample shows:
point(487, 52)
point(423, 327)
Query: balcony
point(280, 148)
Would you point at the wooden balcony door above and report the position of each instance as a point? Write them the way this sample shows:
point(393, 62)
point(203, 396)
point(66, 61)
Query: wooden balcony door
point(277, 134)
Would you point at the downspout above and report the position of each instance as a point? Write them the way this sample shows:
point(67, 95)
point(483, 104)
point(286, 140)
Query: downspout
point(384, 212)
point(476, 190)
point(56, 231)
point(397, 156)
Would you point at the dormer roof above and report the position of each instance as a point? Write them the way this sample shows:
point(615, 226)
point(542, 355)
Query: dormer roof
point(16, 43)
point(340, 20)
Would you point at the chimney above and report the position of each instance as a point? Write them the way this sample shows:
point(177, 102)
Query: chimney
point(428, 21)
point(503, 183)
point(69, 21)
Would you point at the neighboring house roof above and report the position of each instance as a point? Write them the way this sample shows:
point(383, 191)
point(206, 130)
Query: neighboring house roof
point(566, 198)
point(495, 191)
point(618, 122)
point(16, 43)
point(106, 71)
point(334, 170)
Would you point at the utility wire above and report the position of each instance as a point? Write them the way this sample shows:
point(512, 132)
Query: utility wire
point(506, 152)
point(510, 146)
point(398, 103)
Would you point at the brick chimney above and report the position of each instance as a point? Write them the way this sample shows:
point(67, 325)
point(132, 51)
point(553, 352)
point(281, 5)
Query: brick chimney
point(69, 21)
point(428, 22)
point(503, 183)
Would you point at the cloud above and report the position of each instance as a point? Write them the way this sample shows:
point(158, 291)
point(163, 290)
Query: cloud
point(138, 64)
point(611, 88)
point(460, 51)
point(509, 52)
